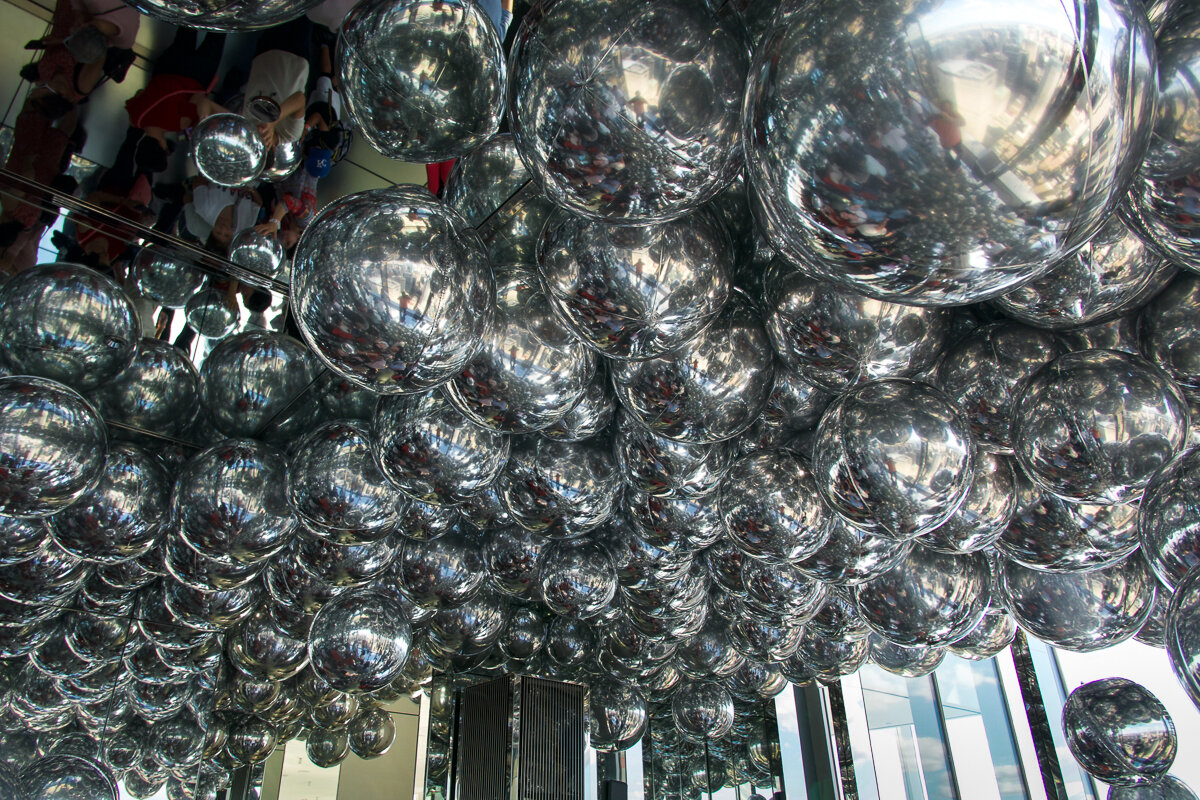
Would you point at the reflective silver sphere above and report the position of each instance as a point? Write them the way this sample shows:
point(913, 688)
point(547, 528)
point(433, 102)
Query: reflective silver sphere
point(64, 776)
point(1094, 426)
point(422, 80)
point(227, 150)
point(249, 380)
point(618, 714)
point(52, 446)
point(894, 457)
point(1119, 732)
point(359, 641)
point(771, 507)
point(1167, 788)
point(883, 174)
point(390, 287)
point(443, 572)
point(251, 741)
point(636, 292)
point(851, 556)
point(1080, 611)
point(985, 512)
point(1183, 634)
point(653, 133)
point(531, 371)
point(372, 733)
point(158, 391)
point(66, 323)
point(710, 389)
point(166, 280)
point(1169, 332)
point(257, 252)
point(907, 662)
point(702, 710)
point(664, 467)
point(211, 314)
point(559, 489)
point(327, 748)
point(837, 338)
point(225, 15)
point(1167, 519)
point(577, 578)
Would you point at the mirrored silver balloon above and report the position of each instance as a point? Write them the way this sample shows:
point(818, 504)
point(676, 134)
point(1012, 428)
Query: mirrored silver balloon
point(1167, 519)
point(655, 133)
point(327, 748)
point(167, 280)
point(1094, 426)
point(907, 662)
point(251, 741)
point(227, 150)
point(1167, 788)
point(1119, 732)
point(67, 776)
point(359, 641)
point(590, 415)
point(1183, 634)
point(985, 512)
point(618, 715)
point(212, 313)
point(771, 508)
point(443, 572)
point(577, 578)
point(257, 252)
point(157, 392)
point(702, 710)
point(1169, 336)
point(559, 489)
point(372, 733)
point(889, 193)
point(251, 382)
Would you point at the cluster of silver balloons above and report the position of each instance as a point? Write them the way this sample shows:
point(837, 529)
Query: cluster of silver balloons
point(694, 385)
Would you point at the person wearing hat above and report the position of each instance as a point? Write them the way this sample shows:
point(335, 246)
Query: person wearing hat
point(298, 194)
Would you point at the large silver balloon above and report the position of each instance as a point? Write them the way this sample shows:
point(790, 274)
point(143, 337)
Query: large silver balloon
point(531, 371)
point(359, 641)
point(227, 150)
point(559, 489)
point(372, 733)
point(52, 446)
point(166, 279)
point(838, 339)
point(1094, 426)
point(391, 289)
point(1113, 273)
point(928, 598)
point(1080, 611)
point(1167, 519)
point(1183, 634)
point(231, 502)
point(702, 710)
point(618, 715)
point(327, 748)
point(577, 578)
point(157, 392)
point(851, 556)
point(636, 292)
point(1162, 201)
point(251, 381)
point(493, 190)
point(443, 572)
point(664, 467)
point(984, 372)
point(422, 80)
point(257, 252)
point(430, 450)
point(225, 15)
point(1119, 732)
point(711, 389)
point(513, 555)
point(1169, 332)
point(67, 776)
point(994, 633)
point(894, 457)
point(1048, 533)
point(654, 133)
point(124, 515)
point(337, 489)
point(881, 176)
point(984, 514)
point(66, 323)
point(771, 508)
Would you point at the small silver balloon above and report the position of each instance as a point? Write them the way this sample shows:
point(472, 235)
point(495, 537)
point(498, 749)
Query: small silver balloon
point(590, 415)
point(67, 323)
point(231, 502)
point(709, 390)
point(165, 279)
point(984, 371)
point(1080, 611)
point(337, 489)
point(212, 313)
point(883, 193)
point(570, 643)
point(928, 598)
point(250, 380)
point(372, 733)
point(1167, 520)
point(851, 556)
point(894, 457)
point(838, 339)
point(422, 80)
point(359, 641)
point(327, 748)
point(771, 507)
point(391, 289)
point(443, 572)
point(1094, 426)
point(616, 152)
point(257, 252)
point(618, 715)
point(702, 710)
point(260, 648)
point(470, 628)
point(345, 565)
point(1182, 634)
point(636, 292)
point(524, 633)
point(831, 659)
point(283, 160)
point(512, 556)
point(907, 662)
point(251, 741)
point(577, 578)
point(1113, 273)
point(124, 515)
point(1119, 732)
point(227, 150)
point(67, 776)
point(1167, 788)
point(559, 489)
point(52, 446)
point(665, 467)
point(531, 371)
point(994, 633)
point(157, 392)
point(1169, 336)
point(985, 512)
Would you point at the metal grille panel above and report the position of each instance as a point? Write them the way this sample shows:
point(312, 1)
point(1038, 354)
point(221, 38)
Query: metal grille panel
point(483, 742)
point(552, 738)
